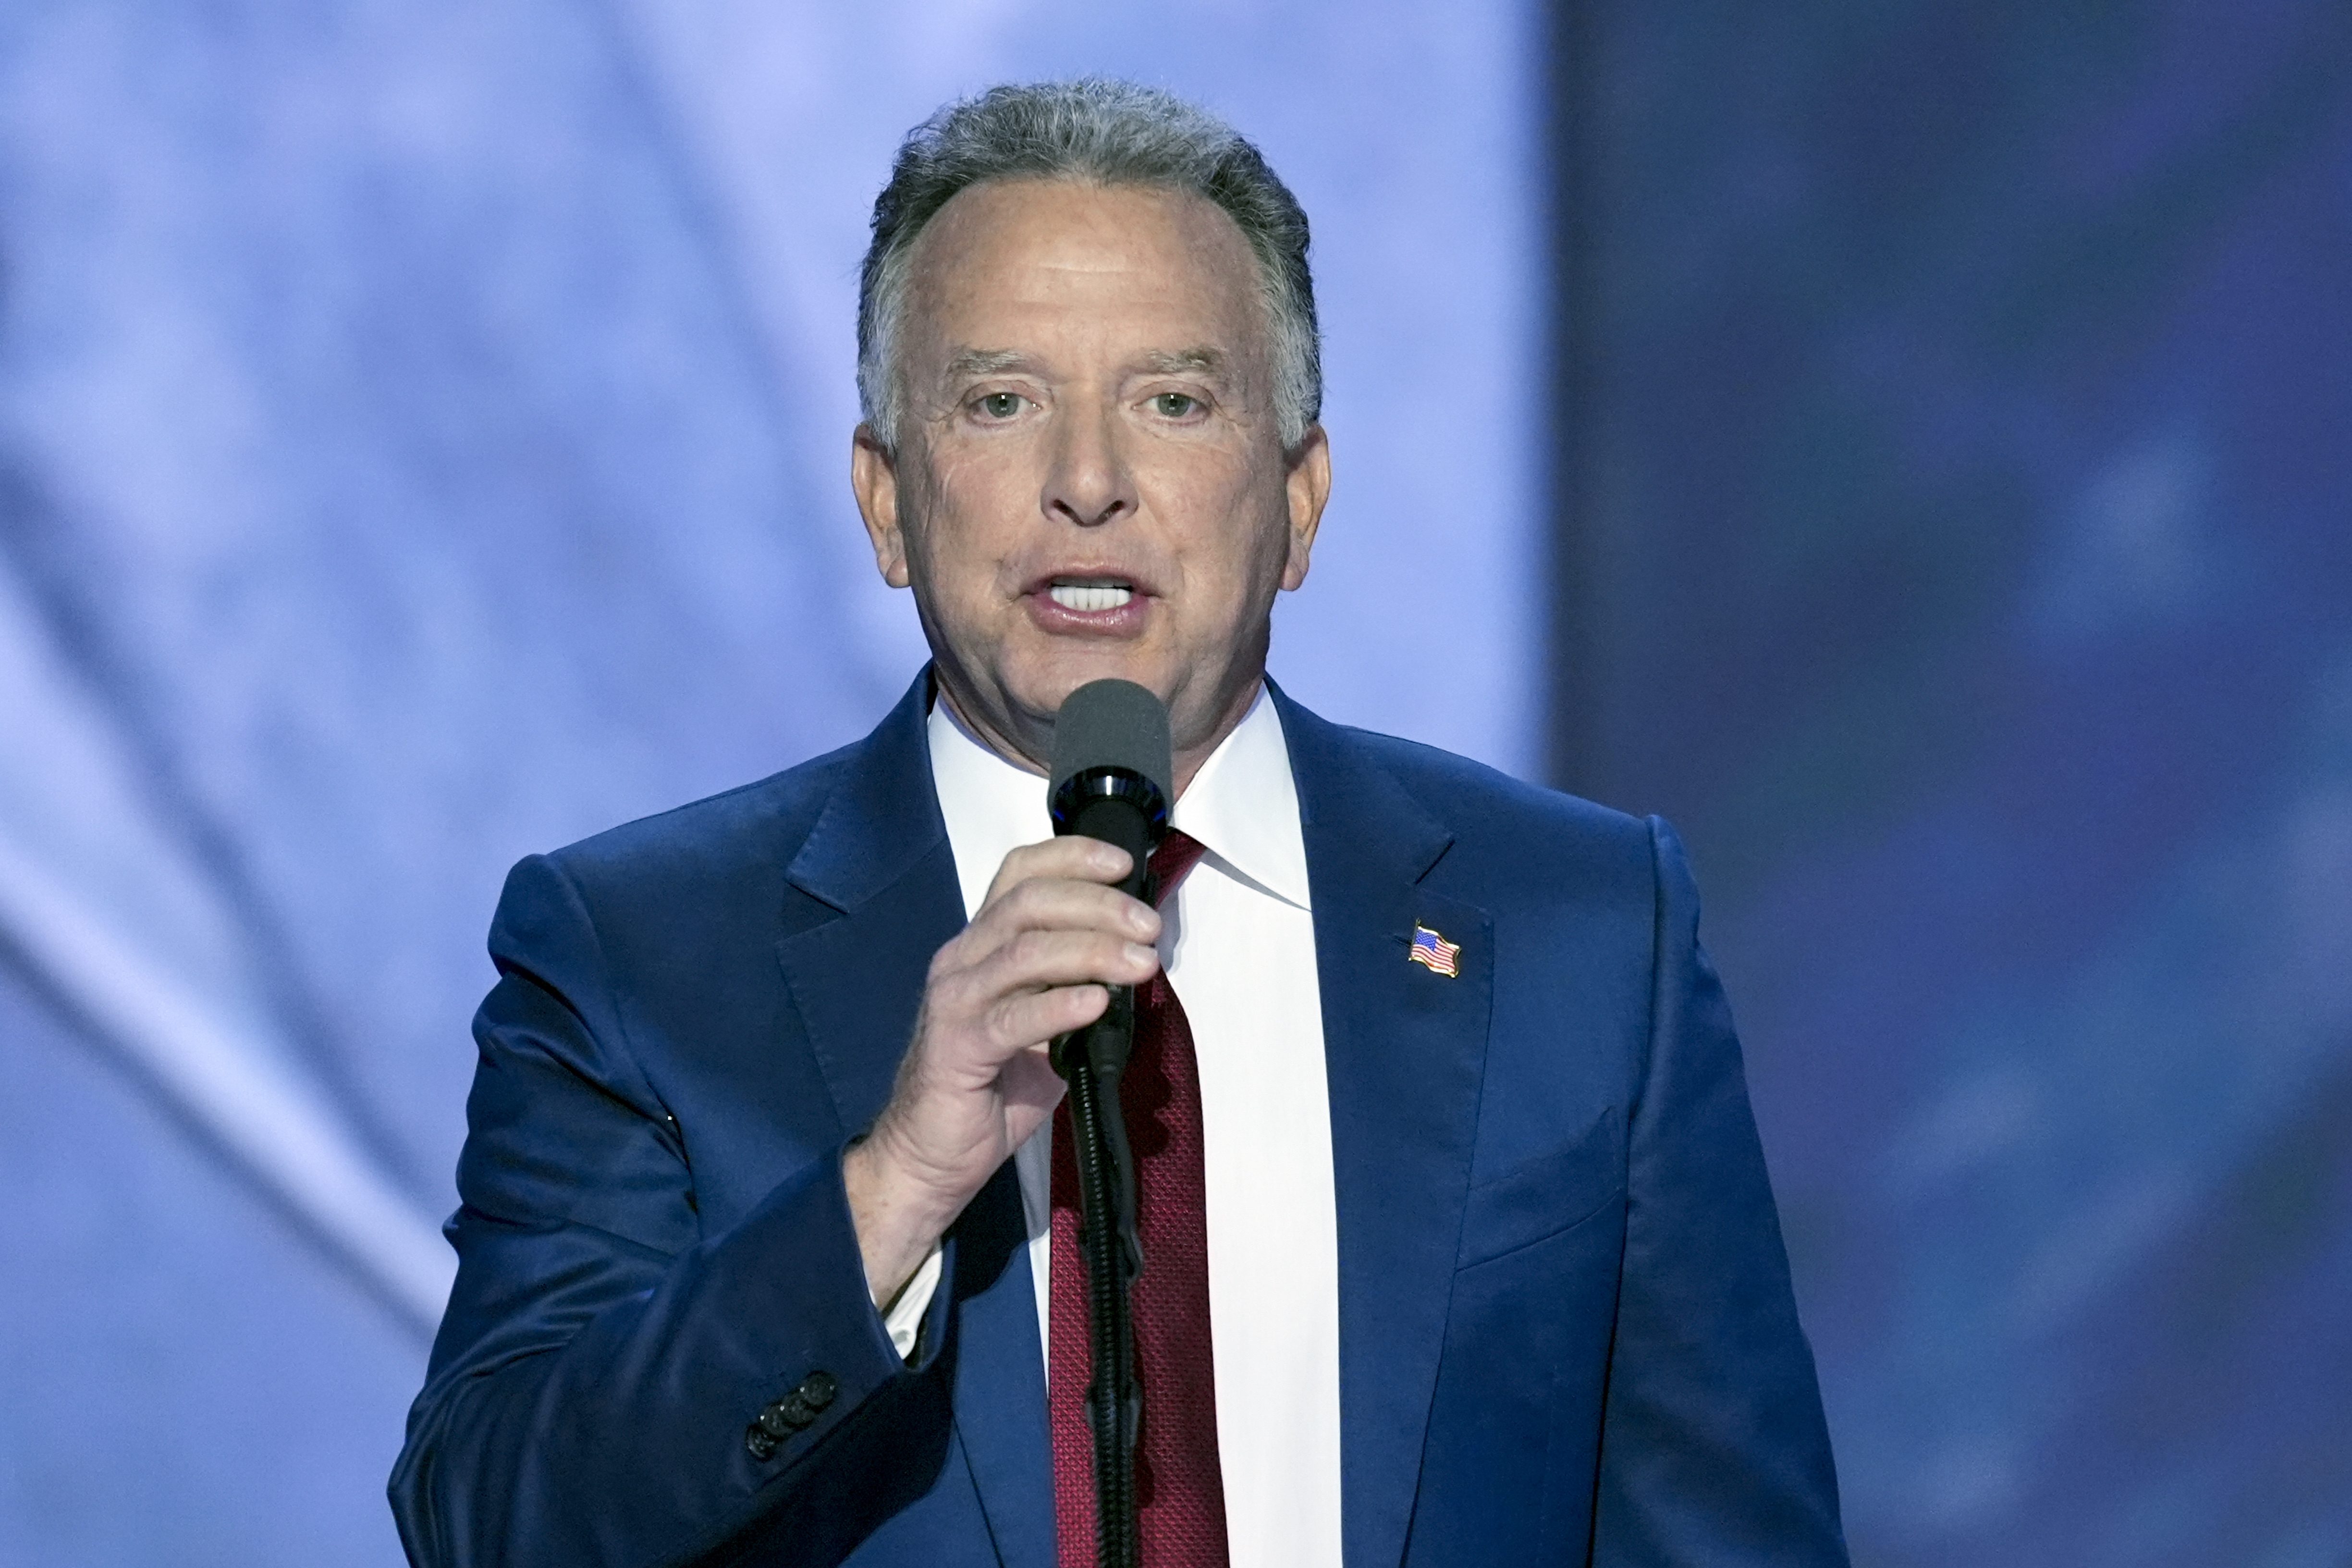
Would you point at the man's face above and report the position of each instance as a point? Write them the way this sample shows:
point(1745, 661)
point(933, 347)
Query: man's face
point(1089, 479)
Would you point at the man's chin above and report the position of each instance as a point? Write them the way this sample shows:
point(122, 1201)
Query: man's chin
point(1042, 687)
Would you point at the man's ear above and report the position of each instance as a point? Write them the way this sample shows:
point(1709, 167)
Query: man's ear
point(874, 476)
point(1309, 486)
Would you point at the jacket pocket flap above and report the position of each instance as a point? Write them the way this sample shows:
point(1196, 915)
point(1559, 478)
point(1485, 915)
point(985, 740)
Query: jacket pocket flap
point(1546, 1194)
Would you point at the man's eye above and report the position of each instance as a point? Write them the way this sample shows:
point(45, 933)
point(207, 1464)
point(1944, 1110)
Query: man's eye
point(1001, 404)
point(1174, 404)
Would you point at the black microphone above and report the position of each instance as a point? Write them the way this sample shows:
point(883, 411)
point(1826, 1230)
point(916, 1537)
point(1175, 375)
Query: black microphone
point(1112, 763)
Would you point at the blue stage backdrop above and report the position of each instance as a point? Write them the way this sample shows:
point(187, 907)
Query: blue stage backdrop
point(423, 436)
point(1958, 543)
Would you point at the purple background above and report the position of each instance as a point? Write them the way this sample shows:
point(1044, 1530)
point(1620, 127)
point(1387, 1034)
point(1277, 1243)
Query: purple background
point(424, 437)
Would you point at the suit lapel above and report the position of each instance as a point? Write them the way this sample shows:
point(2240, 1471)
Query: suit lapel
point(1405, 1051)
point(877, 861)
point(878, 864)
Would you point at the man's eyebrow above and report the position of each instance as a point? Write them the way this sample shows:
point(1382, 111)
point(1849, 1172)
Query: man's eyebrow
point(967, 363)
point(1175, 362)
point(987, 361)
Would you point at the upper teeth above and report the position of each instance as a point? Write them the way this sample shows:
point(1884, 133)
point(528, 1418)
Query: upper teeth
point(1090, 597)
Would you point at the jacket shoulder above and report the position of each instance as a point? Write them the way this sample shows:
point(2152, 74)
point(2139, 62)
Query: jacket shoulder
point(754, 827)
point(1442, 777)
point(1508, 830)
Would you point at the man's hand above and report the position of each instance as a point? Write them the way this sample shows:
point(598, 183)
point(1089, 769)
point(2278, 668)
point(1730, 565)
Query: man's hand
point(975, 1083)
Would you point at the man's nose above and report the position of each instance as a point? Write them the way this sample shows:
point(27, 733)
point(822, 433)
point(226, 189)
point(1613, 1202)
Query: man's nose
point(1088, 483)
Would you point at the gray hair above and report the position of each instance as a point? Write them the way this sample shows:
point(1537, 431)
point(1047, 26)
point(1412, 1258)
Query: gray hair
point(1105, 132)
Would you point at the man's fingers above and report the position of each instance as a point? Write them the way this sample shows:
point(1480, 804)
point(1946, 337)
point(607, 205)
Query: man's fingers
point(975, 1053)
point(1038, 959)
point(1063, 905)
point(1030, 1020)
point(1039, 984)
point(1042, 905)
point(1074, 858)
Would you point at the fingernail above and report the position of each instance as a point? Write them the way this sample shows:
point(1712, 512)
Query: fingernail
point(1141, 955)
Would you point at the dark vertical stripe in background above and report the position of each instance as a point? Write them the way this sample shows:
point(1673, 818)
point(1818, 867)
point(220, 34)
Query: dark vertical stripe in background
point(1953, 534)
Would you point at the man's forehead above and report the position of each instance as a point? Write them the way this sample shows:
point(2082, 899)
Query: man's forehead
point(1077, 229)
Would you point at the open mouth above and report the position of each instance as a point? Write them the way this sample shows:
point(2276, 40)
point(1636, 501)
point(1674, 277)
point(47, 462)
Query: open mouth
point(1090, 595)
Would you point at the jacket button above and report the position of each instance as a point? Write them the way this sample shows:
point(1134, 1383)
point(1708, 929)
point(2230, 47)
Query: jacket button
point(763, 1446)
point(816, 1391)
point(777, 1421)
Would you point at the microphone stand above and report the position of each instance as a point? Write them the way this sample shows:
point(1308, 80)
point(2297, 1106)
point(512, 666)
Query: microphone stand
point(1094, 1058)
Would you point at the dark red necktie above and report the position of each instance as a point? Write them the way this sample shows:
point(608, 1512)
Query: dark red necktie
point(1179, 1491)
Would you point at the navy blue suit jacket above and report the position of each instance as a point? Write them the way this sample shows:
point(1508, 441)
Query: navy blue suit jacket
point(1566, 1332)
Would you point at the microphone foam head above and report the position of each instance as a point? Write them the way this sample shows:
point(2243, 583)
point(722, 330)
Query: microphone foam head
point(1113, 724)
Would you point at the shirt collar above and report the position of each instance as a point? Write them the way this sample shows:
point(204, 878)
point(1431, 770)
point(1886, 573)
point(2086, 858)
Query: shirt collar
point(1242, 806)
point(991, 806)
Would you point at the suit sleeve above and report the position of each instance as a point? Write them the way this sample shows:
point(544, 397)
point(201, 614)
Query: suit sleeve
point(1714, 1450)
point(595, 1391)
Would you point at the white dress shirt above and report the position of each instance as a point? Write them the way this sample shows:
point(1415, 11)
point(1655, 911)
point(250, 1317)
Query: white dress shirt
point(1238, 945)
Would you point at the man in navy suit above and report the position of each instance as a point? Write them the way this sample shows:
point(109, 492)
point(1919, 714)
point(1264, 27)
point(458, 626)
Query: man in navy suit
point(757, 1258)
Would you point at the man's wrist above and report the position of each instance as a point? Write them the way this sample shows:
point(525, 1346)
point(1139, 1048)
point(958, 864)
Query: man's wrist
point(899, 1221)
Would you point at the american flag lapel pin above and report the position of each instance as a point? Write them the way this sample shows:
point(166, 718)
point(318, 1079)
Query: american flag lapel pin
point(1435, 953)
